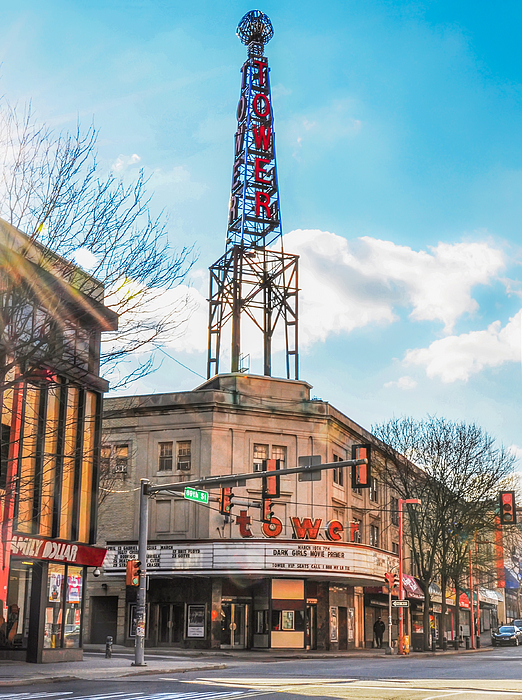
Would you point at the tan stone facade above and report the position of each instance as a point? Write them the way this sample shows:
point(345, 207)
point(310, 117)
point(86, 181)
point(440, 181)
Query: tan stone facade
point(236, 581)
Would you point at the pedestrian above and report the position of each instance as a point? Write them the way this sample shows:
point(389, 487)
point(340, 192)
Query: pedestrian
point(378, 630)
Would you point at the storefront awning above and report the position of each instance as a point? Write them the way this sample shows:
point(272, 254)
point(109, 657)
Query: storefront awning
point(412, 588)
point(486, 595)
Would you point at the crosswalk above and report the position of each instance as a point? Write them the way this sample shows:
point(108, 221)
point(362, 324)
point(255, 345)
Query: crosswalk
point(69, 695)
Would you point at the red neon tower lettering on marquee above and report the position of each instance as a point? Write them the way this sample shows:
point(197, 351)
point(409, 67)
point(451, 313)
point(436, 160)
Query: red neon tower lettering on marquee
point(306, 530)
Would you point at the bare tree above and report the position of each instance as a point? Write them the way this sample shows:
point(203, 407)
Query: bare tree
point(456, 470)
point(53, 189)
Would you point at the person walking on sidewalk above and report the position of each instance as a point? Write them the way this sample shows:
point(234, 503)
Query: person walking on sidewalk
point(378, 630)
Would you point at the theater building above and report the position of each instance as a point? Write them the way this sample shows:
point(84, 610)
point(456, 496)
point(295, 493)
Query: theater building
point(52, 316)
point(234, 581)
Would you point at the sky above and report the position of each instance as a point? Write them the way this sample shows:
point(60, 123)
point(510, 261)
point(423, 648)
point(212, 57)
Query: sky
point(399, 148)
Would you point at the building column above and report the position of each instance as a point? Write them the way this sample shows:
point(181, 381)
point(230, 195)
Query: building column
point(215, 614)
point(37, 606)
point(323, 616)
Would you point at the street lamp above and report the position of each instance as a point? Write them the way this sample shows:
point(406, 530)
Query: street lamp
point(402, 501)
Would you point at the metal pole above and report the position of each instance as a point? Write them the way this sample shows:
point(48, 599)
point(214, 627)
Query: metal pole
point(389, 617)
point(141, 605)
point(471, 608)
point(401, 589)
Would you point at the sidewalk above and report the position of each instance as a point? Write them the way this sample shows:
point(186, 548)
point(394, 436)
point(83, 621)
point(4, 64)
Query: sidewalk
point(171, 662)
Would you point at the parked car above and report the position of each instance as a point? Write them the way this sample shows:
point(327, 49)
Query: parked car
point(509, 635)
point(517, 623)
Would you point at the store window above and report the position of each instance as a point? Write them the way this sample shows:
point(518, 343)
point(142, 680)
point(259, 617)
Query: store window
point(14, 624)
point(73, 607)
point(288, 620)
point(54, 607)
point(63, 612)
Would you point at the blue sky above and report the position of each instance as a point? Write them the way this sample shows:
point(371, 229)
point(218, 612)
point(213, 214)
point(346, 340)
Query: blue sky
point(399, 146)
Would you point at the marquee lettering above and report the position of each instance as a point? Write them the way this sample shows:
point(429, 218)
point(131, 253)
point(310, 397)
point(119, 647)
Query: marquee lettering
point(243, 520)
point(334, 530)
point(305, 530)
point(272, 529)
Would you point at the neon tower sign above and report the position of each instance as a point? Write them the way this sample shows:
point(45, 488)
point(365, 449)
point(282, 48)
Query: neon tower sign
point(255, 278)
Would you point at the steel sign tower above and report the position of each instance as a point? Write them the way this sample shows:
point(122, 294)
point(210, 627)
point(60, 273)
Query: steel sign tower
point(255, 277)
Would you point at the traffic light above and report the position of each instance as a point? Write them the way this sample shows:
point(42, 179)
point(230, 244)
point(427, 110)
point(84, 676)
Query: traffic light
point(267, 512)
point(508, 511)
point(271, 483)
point(392, 579)
point(225, 500)
point(132, 577)
point(361, 473)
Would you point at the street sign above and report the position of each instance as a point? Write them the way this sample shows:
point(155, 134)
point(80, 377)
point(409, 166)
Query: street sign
point(195, 495)
point(401, 603)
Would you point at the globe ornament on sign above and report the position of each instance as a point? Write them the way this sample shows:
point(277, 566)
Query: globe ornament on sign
point(255, 29)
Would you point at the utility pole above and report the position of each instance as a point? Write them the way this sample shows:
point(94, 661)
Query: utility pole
point(141, 605)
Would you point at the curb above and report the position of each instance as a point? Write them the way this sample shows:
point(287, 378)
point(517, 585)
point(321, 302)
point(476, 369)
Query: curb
point(34, 680)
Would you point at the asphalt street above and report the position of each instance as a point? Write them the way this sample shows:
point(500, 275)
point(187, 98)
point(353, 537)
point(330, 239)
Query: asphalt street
point(491, 675)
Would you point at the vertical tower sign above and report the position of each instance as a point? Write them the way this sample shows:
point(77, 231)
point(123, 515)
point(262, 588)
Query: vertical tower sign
point(255, 278)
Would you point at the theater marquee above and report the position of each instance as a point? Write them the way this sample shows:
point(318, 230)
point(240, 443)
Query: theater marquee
point(286, 557)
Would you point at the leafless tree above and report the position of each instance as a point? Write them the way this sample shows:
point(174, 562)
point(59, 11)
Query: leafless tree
point(53, 189)
point(456, 470)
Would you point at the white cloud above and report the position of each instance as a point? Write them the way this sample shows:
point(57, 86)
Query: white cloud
point(123, 162)
point(85, 259)
point(403, 383)
point(351, 284)
point(457, 357)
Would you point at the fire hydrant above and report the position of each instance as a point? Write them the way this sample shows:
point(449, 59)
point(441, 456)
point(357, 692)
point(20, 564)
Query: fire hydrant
point(108, 648)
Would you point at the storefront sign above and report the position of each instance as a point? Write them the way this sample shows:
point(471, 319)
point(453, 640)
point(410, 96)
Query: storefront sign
point(55, 550)
point(232, 556)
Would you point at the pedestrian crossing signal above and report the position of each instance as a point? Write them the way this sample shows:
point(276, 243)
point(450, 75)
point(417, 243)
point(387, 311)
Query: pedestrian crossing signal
point(508, 512)
point(133, 572)
point(225, 500)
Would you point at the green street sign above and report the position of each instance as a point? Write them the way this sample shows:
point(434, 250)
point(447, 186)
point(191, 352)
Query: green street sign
point(195, 495)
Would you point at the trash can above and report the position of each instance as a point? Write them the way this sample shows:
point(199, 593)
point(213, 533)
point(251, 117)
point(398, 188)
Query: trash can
point(444, 644)
point(468, 645)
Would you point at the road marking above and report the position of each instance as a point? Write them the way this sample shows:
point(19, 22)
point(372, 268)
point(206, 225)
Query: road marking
point(33, 696)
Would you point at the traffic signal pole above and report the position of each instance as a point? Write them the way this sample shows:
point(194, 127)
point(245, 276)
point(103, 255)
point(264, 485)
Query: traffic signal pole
point(141, 609)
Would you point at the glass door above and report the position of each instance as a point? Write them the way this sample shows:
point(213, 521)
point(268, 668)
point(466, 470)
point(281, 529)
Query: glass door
point(234, 625)
point(311, 626)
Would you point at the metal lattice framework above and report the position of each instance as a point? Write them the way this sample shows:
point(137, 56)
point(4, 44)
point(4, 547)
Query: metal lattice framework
point(255, 277)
